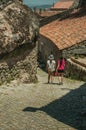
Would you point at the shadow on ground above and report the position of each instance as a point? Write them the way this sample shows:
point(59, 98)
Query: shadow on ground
point(67, 109)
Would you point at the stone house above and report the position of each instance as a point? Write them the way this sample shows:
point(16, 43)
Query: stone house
point(65, 37)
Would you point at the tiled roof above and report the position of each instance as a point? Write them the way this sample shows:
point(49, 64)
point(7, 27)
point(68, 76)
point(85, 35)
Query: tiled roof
point(67, 32)
point(63, 4)
point(48, 13)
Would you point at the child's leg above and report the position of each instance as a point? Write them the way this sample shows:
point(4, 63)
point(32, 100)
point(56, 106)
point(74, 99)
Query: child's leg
point(52, 78)
point(48, 77)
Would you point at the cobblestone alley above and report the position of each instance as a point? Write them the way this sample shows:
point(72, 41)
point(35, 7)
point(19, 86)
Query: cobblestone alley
point(42, 106)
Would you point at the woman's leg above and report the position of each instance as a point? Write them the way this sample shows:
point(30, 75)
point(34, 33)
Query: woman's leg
point(62, 78)
point(59, 78)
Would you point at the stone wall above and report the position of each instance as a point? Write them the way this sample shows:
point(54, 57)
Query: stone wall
point(46, 47)
point(75, 71)
point(75, 50)
point(20, 64)
point(76, 60)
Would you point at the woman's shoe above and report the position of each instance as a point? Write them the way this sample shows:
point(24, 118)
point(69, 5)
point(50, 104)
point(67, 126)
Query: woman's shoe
point(48, 82)
point(61, 83)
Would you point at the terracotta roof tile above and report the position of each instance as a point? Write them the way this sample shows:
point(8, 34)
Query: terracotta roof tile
point(62, 4)
point(67, 32)
point(48, 13)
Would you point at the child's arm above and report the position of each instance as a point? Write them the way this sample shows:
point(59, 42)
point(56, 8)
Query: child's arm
point(57, 66)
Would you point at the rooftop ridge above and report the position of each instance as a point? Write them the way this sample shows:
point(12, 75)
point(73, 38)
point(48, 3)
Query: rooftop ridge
point(65, 0)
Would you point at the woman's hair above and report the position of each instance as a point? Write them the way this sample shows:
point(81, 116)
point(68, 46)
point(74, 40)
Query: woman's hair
point(61, 59)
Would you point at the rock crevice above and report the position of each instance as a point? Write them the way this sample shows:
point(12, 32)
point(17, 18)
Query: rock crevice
point(18, 48)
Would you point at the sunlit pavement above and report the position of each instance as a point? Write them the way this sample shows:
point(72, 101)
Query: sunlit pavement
point(43, 106)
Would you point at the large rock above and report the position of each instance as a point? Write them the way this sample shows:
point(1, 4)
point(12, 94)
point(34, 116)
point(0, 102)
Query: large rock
point(18, 47)
point(17, 26)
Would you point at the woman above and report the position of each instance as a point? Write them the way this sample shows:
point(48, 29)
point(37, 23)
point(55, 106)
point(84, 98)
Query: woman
point(51, 64)
point(60, 69)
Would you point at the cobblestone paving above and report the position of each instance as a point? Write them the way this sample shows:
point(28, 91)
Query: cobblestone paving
point(41, 106)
